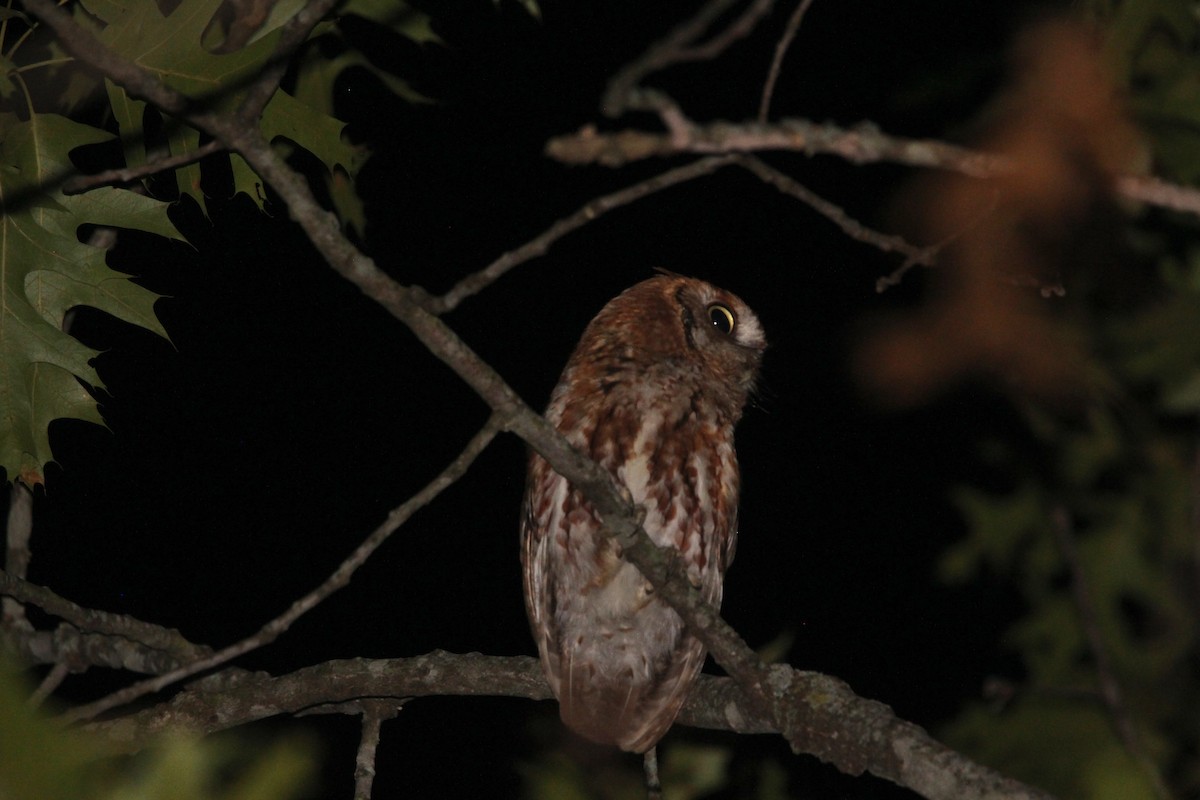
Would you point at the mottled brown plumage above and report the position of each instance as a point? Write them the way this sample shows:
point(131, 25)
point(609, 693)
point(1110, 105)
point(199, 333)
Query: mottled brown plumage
point(652, 393)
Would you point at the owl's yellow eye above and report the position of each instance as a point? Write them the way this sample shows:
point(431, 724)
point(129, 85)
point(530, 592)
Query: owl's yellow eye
point(722, 318)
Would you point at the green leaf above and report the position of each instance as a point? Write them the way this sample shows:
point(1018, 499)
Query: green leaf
point(693, 770)
point(317, 73)
point(531, 7)
point(38, 760)
point(44, 272)
point(399, 17)
point(129, 114)
point(997, 527)
point(7, 87)
point(1184, 398)
point(246, 181)
point(171, 47)
point(1087, 760)
point(346, 202)
point(42, 760)
point(556, 776)
point(183, 140)
point(281, 12)
point(321, 135)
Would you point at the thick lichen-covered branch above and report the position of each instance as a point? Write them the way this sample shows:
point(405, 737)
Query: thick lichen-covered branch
point(825, 717)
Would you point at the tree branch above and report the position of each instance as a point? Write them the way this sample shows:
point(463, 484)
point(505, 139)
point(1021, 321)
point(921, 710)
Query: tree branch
point(17, 531)
point(1157, 192)
point(593, 209)
point(837, 215)
point(338, 579)
point(623, 92)
point(82, 183)
point(168, 641)
point(839, 727)
point(374, 712)
point(293, 34)
point(785, 41)
point(861, 144)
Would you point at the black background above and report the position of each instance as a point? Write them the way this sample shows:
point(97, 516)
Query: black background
point(288, 413)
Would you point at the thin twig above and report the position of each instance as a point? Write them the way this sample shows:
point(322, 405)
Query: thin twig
point(92, 620)
point(293, 34)
point(1111, 693)
point(83, 183)
point(897, 275)
point(789, 34)
point(618, 96)
point(889, 243)
point(623, 91)
point(338, 579)
point(52, 681)
point(593, 209)
point(740, 28)
point(18, 530)
point(650, 773)
point(374, 712)
point(1157, 192)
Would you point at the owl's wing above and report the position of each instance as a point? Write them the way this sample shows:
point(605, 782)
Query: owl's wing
point(730, 549)
point(535, 561)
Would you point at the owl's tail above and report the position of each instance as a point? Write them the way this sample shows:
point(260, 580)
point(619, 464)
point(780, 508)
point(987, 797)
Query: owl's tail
point(630, 712)
point(625, 715)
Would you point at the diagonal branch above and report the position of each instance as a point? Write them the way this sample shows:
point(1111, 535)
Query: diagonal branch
point(593, 209)
point(293, 34)
point(785, 42)
point(338, 579)
point(82, 183)
point(836, 214)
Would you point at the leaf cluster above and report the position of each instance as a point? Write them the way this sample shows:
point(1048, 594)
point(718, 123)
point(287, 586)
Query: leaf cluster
point(1099, 528)
point(52, 114)
point(41, 761)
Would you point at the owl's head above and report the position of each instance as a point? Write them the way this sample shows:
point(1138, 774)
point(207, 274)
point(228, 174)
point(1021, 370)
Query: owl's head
point(678, 329)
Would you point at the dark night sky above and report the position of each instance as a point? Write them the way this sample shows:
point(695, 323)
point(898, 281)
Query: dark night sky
point(289, 414)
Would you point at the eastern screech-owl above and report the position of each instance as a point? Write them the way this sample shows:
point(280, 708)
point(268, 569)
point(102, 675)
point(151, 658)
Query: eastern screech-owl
point(652, 393)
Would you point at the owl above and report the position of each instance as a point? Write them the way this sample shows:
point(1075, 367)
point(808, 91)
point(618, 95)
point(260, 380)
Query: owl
point(652, 393)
